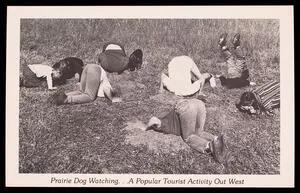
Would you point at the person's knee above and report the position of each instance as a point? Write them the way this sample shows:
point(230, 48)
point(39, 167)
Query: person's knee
point(164, 80)
point(197, 105)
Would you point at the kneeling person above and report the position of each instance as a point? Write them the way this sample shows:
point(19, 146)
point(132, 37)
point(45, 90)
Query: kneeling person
point(93, 83)
point(114, 59)
point(34, 75)
point(263, 99)
point(179, 79)
point(237, 71)
point(67, 68)
point(187, 120)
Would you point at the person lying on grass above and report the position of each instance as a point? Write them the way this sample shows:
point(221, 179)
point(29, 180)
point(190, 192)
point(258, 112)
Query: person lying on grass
point(34, 75)
point(93, 83)
point(238, 74)
point(114, 59)
point(187, 119)
point(179, 78)
point(263, 99)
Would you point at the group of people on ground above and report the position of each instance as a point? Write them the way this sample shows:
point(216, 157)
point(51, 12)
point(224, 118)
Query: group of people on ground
point(187, 117)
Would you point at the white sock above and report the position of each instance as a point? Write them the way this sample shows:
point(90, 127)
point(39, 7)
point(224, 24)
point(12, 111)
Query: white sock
point(212, 82)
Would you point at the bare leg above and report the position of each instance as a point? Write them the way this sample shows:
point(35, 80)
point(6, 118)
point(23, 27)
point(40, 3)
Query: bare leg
point(161, 86)
point(165, 83)
point(204, 76)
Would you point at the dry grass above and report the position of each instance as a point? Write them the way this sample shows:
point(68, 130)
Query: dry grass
point(90, 138)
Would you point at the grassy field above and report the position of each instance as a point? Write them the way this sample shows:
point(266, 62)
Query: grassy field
point(99, 137)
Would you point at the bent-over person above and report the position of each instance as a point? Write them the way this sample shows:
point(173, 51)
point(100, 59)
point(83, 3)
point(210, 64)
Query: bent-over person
point(263, 99)
point(94, 83)
point(237, 75)
point(187, 119)
point(179, 78)
point(114, 59)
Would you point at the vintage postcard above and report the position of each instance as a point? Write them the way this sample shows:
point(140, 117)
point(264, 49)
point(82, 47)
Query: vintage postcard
point(160, 96)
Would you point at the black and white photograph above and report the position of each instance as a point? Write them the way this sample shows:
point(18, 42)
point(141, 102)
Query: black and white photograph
point(193, 101)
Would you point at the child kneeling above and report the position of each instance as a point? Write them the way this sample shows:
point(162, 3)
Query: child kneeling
point(93, 83)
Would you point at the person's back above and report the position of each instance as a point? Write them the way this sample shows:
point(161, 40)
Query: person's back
point(113, 58)
point(180, 72)
point(40, 70)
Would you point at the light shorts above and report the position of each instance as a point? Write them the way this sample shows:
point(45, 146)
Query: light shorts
point(104, 83)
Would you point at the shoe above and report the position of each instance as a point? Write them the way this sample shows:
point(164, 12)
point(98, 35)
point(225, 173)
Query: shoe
point(219, 143)
point(217, 148)
point(202, 97)
point(214, 152)
point(222, 40)
point(61, 97)
point(236, 40)
point(58, 97)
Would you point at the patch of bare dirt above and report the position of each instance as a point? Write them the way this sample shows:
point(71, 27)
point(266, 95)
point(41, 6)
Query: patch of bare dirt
point(154, 141)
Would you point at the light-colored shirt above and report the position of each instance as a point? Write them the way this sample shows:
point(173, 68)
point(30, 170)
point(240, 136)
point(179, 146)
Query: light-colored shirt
point(180, 69)
point(104, 83)
point(42, 71)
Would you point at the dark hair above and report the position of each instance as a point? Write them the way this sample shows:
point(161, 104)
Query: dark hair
point(248, 99)
point(222, 79)
point(135, 60)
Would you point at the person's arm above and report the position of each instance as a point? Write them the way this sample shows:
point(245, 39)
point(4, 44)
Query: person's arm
point(49, 80)
point(195, 71)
